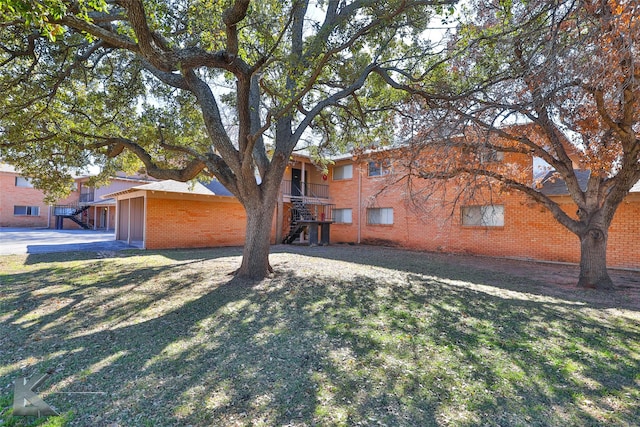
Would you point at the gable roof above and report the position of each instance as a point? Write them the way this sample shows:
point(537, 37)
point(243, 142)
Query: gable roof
point(171, 186)
point(217, 188)
point(554, 186)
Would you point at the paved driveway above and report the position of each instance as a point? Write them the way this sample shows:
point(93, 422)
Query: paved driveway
point(39, 241)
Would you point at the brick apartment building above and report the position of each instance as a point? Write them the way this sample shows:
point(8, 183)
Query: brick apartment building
point(340, 207)
point(341, 202)
point(22, 205)
point(505, 225)
point(171, 214)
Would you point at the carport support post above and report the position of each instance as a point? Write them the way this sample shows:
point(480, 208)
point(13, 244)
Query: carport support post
point(129, 222)
point(116, 226)
point(95, 217)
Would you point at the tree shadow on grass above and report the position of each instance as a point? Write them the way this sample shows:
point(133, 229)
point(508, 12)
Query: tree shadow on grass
point(209, 361)
point(95, 336)
point(515, 275)
point(176, 345)
point(432, 348)
point(190, 255)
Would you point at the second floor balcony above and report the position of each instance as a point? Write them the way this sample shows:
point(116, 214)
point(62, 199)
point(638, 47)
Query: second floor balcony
point(304, 189)
point(87, 196)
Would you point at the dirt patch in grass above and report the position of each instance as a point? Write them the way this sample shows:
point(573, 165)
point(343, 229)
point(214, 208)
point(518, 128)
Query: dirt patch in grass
point(340, 335)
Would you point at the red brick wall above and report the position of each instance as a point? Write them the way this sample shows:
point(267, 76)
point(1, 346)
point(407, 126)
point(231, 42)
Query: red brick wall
point(11, 196)
point(192, 224)
point(344, 195)
point(529, 230)
point(624, 234)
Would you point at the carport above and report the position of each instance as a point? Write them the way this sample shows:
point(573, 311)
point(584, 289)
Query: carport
point(130, 214)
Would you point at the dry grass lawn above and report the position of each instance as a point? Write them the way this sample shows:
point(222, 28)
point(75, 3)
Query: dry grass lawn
point(339, 336)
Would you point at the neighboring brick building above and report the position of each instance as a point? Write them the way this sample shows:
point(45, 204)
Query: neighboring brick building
point(21, 205)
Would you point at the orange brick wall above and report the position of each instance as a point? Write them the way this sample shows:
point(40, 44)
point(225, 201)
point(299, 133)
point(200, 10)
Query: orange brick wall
point(193, 224)
point(11, 196)
point(529, 230)
point(344, 194)
point(624, 234)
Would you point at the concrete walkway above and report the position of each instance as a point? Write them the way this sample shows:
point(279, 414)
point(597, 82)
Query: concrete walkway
point(42, 240)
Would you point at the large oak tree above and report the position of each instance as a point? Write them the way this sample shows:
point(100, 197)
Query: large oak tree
point(567, 74)
point(121, 81)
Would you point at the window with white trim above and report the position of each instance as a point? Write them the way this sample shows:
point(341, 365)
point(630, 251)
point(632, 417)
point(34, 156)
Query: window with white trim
point(26, 210)
point(343, 216)
point(376, 216)
point(342, 172)
point(379, 167)
point(23, 182)
point(483, 216)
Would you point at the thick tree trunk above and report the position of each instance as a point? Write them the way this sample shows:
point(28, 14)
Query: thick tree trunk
point(255, 256)
point(593, 259)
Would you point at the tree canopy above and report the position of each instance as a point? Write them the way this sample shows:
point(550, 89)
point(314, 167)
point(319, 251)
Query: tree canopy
point(558, 81)
point(191, 87)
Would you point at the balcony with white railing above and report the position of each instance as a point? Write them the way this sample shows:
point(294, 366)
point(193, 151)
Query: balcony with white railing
point(305, 189)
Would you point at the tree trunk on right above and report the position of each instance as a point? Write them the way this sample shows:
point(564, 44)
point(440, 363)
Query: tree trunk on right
point(593, 259)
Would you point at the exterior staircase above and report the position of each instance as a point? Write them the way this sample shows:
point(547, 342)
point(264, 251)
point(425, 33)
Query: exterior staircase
point(299, 212)
point(72, 212)
point(304, 210)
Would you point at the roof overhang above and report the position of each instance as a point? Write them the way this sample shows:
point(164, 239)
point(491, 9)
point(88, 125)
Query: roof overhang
point(170, 189)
